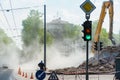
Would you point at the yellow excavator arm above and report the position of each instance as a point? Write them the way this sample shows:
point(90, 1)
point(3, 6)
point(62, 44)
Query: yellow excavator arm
point(106, 5)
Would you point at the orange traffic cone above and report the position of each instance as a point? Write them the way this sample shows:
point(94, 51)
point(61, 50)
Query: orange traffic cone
point(19, 71)
point(31, 77)
point(26, 75)
point(23, 74)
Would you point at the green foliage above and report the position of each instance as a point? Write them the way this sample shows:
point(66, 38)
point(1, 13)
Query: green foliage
point(117, 38)
point(71, 31)
point(49, 38)
point(4, 38)
point(33, 29)
point(104, 37)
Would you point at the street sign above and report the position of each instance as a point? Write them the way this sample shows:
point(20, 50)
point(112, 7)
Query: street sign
point(40, 74)
point(53, 76)
point(87, 6)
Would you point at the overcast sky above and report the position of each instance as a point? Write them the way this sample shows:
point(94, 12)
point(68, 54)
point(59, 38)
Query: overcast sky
point(68, 10)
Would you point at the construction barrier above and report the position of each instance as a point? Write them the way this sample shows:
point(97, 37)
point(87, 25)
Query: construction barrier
point(25, 75)
point(31, 77)
point(19, 71)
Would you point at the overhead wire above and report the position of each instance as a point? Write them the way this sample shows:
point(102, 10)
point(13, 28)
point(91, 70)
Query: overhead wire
point(2, 22)
point(13, 17)
point(12, 13)
point(16, 36)
point(6, 19)
point(19, 8)
point(5, 16)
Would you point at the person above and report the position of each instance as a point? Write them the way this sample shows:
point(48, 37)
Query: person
point(41, 65)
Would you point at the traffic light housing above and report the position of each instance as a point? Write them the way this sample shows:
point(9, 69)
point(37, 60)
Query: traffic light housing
point(101, 45)
point(96, 46)
point(87, 30)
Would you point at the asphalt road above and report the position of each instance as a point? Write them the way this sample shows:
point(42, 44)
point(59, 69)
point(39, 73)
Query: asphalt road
point(6, 74)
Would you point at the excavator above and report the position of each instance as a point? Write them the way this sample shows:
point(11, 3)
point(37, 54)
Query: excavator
point(106, 5)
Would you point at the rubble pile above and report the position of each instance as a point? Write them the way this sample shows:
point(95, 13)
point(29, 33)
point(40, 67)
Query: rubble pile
point(102, 62)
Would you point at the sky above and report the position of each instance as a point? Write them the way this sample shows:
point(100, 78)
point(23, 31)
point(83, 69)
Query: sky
point(68, 10)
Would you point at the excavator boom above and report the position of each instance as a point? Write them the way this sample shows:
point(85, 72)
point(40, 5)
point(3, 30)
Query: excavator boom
point(111, 23)
point(106, 5)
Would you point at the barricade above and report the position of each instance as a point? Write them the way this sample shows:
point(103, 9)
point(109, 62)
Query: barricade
point(25, 75)
point(32, 76)
point(19, 71)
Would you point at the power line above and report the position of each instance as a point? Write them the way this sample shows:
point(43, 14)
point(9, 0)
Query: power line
point(5, 15)
point(13, 15)
point(18, 8)
point(2, 22)
point(7, 21)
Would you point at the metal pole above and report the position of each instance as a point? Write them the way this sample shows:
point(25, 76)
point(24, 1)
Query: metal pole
point(98, 51)
point(87, 56)
point(98, 62)
point(45, 35)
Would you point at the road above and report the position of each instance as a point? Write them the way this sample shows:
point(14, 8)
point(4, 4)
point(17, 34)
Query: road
point(6, 74)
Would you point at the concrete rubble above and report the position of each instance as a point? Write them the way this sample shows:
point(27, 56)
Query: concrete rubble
point(104, 62)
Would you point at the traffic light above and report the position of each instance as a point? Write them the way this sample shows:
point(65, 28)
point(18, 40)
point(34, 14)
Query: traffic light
point(101, 45)
point(96, 46)
point(87, 30)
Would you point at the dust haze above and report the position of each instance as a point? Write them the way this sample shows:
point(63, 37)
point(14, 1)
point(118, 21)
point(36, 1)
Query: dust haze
point(10, 56)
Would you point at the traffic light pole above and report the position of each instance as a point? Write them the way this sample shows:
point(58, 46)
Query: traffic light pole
point(87, 56)
point(87, 37)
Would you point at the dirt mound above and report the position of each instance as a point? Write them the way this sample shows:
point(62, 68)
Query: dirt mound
point(104, 62)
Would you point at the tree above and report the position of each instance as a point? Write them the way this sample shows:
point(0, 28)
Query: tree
point(71, 31)
point(33, 35)
point(4, 38)
point(7, 47)
point(104, 37)
point(117, 38)
point(33, 29)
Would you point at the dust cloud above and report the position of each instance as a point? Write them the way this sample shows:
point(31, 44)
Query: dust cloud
point(55, 59)
point(9, 55)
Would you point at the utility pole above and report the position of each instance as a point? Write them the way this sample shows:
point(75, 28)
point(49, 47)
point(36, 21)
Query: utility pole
point(45, 35)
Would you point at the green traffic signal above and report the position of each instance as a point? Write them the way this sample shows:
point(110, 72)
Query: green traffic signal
point(87, 30)
point(88, 37)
